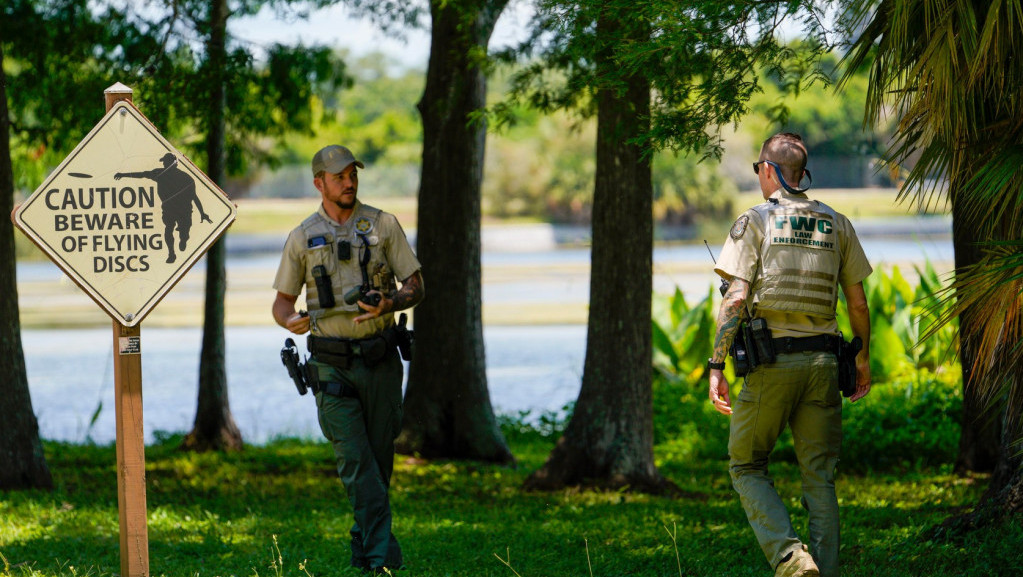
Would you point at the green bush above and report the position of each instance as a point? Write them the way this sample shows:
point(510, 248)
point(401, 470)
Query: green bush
point(911, 422)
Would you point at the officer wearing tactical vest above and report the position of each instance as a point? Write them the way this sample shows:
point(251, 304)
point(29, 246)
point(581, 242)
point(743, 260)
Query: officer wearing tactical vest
point(784, 261)
point(347, 256)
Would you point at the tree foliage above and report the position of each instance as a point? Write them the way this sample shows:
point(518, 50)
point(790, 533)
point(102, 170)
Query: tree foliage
point(951, 72)
point(701, 58)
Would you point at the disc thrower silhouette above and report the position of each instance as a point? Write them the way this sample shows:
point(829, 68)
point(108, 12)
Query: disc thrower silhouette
point(176, 190)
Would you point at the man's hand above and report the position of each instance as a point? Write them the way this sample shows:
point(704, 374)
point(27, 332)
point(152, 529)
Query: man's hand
point(859, 318)
point(862, 378)
point(205, 218)
point(298, 323)
point(719, 392)
point(284, 313)
point(372, 312)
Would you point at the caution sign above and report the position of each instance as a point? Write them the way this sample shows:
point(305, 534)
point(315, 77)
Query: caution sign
point(126, 215)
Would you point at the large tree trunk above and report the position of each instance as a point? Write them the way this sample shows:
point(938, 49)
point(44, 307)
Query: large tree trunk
point(609, 440)
point(980, 435)
point(448, 413)
point(21, 451)
point(214, 427)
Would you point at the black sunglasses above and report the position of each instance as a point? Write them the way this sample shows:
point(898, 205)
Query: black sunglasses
point(756, 165)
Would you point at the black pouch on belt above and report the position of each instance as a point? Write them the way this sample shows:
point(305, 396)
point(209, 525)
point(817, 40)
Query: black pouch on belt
point(334, 352)
point(761, 339)
point(743, 351)
point(373, 350)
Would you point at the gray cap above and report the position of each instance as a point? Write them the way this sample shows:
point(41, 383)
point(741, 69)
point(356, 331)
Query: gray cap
point(333, 159)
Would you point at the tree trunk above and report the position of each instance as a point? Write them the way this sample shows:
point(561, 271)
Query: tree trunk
point(214, 427)
point(448, 413)
point(609, 439)
point(21, 451)
point(980, 433)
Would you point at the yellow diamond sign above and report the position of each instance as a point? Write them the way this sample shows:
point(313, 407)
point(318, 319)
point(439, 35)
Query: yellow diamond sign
point(126, 215)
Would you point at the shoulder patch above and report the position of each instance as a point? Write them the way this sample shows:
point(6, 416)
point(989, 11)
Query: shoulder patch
point(363, 225)
point(739, 228)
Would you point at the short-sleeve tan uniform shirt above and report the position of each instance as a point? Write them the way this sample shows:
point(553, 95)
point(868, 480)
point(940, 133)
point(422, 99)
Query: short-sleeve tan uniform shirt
point(741, 258)
point(387, 240)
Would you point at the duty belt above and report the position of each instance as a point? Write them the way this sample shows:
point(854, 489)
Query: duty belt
point(818, 343)
point(341, 352)
point(334, 346)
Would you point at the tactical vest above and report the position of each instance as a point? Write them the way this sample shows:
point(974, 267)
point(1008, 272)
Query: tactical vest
point(800, 259)
point(322, 249)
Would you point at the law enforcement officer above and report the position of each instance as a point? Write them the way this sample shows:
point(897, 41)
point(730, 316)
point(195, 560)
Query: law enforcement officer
point(785, 260)
point(347, 255)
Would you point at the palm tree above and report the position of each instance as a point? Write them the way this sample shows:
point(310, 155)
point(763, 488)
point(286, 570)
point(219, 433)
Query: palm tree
point(952, 72)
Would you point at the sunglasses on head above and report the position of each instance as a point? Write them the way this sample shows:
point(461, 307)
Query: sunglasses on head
point(777, 171)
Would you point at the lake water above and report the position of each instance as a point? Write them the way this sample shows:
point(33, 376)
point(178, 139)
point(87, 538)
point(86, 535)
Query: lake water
point(71, 375)
point(534, 369)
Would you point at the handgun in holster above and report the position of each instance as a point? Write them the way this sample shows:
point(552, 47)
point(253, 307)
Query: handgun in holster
point(404, 337)
point(296, 369)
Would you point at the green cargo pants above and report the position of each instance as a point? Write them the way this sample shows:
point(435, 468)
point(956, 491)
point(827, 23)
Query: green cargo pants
point(362, 430)
point(799, 390)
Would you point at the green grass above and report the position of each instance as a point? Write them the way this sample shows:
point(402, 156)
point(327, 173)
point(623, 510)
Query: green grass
point(279, 510)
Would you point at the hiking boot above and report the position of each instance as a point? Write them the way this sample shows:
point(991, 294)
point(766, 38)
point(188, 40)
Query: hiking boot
point(798, 564)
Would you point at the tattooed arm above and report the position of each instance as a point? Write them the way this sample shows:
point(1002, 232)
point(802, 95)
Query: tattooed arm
point(409, 295)
point(732, 305)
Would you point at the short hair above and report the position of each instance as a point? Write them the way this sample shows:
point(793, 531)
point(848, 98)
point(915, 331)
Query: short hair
point(786, 149)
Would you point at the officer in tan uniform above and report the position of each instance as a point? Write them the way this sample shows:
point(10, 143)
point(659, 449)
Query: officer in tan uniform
point(785, 260)
point(347, 256)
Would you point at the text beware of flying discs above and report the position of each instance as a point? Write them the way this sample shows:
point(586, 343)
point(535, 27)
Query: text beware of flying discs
point(125, 215)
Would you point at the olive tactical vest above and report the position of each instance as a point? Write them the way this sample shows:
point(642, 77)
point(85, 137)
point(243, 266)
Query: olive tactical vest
point(323, 240)
point(800, 259)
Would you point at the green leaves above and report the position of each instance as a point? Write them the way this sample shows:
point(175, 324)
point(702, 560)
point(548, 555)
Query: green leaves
point(684, 339)
point(907, 331)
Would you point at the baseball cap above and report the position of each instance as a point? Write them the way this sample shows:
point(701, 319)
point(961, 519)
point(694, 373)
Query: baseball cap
point(333, 159)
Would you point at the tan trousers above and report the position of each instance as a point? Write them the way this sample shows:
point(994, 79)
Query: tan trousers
point(799, 390)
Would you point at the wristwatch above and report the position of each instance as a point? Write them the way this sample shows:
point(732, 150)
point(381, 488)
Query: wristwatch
point(712, 365)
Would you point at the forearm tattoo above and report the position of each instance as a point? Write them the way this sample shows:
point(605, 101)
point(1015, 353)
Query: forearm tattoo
point(729, 317)
point(410, 293)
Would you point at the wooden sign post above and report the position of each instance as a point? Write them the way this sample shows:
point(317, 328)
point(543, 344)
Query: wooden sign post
point(131, 444)
point(107, 216)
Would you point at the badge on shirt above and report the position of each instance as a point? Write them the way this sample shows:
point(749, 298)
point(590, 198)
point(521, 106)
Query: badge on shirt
point(739, 228)
point(363, 225)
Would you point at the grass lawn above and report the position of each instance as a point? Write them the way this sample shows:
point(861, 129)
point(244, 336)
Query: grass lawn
point(279, 510)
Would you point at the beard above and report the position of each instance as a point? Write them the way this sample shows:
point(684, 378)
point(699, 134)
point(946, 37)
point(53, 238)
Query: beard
point(341, 203)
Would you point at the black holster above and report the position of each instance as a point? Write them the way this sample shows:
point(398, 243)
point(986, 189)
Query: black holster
point(401, 337)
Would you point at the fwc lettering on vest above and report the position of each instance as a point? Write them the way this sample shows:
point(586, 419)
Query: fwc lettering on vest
point(120, 237)
point(803, 230)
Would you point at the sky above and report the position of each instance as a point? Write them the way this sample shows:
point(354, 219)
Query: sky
point(334, 26)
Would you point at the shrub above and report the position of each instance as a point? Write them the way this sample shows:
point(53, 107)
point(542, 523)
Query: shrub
point(911, 422)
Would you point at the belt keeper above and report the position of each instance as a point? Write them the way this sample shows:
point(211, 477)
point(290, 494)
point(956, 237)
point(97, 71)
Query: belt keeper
point(787, 344)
